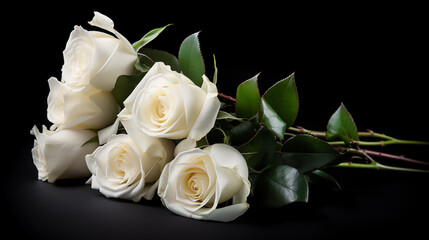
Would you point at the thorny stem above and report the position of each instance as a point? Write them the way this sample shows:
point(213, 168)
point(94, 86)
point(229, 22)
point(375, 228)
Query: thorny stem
point(374, 164)
point(393, 157)
point(378, 166)
point(383, 143)
point(386, 140)
point(366, 154)
point(311, 132)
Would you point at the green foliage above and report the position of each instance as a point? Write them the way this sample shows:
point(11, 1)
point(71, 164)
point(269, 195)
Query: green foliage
point(248, 102)
point(276, 169)
point(242, 133)
point(342, 127)
point(281, 98)
point(259, 150)
point(272, 120)
point(279, 186)
point(124, 87)
point(215, 70)
point(147, 57)
point(227, 116)
point(151, 35)
point(321, 178)
point(191, 60)
point(307, 153)
point(281, 164)
point(276, 110)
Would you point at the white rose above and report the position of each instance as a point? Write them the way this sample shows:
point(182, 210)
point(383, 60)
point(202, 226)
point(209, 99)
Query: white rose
point(97, 58)
point(60, 154)
point(197, 181)
point(167, 104)
point(120, 169)
point(88, 108)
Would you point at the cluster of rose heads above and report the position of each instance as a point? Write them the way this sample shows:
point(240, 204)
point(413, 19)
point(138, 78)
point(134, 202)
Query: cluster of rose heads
point(150, 145)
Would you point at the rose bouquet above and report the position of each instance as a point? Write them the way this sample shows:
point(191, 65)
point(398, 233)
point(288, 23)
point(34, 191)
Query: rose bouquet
point(139, 122)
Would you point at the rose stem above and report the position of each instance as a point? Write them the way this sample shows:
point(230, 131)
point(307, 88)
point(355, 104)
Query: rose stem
point(374, 164)
point(311, 132)
point(227, 97)
point(378, 166)
point(393, 157)
point(387, 140)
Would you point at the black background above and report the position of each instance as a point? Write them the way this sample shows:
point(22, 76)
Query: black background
point(371, 58)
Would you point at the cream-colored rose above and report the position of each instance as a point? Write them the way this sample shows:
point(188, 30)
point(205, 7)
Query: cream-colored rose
point(197, 181)
point(97, 58)
point(121, 169)
point(87, 108)
point(60, 155)
point(166, 104)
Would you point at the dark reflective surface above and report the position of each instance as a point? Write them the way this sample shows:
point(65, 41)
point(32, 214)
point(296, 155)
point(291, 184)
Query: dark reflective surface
point(371, 203)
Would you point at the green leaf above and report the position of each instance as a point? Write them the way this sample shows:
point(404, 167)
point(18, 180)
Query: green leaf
point(151, 35)
point(272, 121)
point(248, 102)
point(342, 127)
point(280, 185)
point(307, 153)
point(242, 133)
point(191, 60)
point(140, 66)
point(149, 56)
point(282, 98)
point(124, 87)
point(227, 116)
point(215, 71)
point(259, 150)
point(321, 178)
point(203, 142)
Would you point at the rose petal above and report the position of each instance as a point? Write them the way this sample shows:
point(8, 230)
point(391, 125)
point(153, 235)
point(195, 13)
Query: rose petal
point(156, 69)
point(104, 46)
point(184, 145)
point(149, 190)
point(55, 102)
point(209, 111)
point(119, 63)
point(106, 133)
point(193, 98)
point(228, 183)
point(86, 108)
point(229, 157)
point(224, 214)
point(155, 147)
point(104, 22)
point(78, 55)
point(53, 144)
